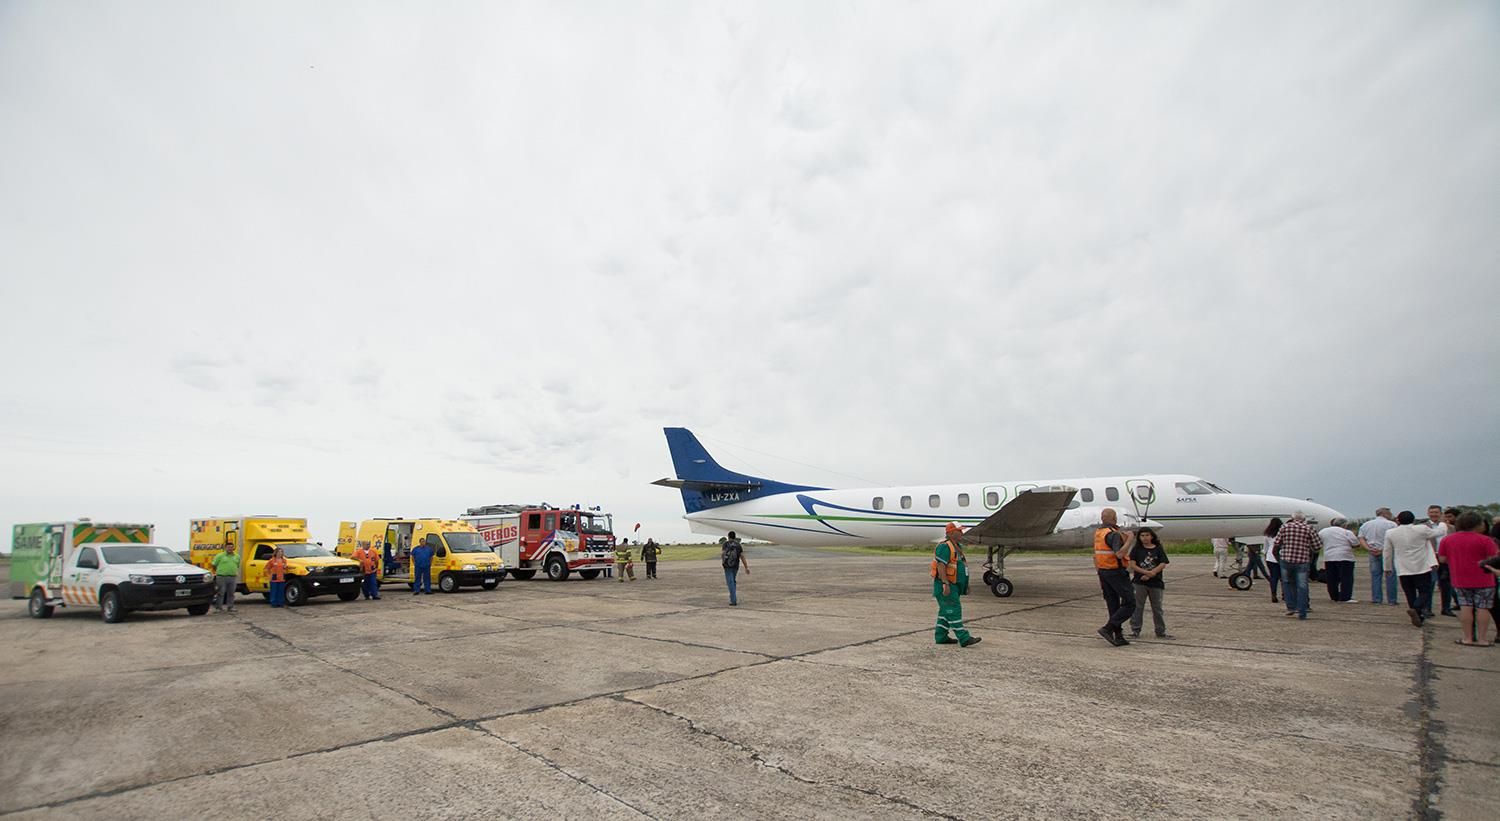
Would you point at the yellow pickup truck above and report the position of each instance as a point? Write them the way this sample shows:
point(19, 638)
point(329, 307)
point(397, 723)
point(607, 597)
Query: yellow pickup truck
point(311, 569)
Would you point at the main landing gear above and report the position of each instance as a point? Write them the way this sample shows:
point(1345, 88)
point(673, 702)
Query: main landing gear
point(994, 572)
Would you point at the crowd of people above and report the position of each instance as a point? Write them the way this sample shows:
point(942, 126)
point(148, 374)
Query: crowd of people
point(1452, 551)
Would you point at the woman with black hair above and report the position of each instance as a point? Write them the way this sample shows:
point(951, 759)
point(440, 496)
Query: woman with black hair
point(1273, 567)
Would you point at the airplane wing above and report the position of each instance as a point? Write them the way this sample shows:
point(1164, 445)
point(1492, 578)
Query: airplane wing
point(1031, 514)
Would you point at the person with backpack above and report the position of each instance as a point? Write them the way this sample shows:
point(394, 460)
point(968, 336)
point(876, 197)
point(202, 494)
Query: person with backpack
point(950, 579)
point(732, 557)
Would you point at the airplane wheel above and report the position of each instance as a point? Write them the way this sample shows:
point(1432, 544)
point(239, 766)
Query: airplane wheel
point(1241, 581)
point(1002, 587)
point(989, 577)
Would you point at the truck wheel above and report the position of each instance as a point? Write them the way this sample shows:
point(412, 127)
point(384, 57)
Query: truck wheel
point(522, 575)
point(38, 606)
point(197, 610)
point(296, 593)
point(110, 607)
point(348, 595)
point(589, 574)
point(557, 569)
point(448, 583)
point(490, 585)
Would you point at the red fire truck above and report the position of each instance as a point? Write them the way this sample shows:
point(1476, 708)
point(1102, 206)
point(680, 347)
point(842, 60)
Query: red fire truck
point(539, 537)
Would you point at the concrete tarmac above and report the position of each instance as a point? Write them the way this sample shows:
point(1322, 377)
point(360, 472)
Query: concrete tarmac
point(821, 696)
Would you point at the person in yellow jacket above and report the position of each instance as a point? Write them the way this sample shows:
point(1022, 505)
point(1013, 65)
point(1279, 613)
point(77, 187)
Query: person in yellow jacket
point(623, 564)
point(950, 579)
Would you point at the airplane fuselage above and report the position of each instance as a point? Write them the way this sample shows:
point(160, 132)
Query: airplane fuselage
point(1183, 507)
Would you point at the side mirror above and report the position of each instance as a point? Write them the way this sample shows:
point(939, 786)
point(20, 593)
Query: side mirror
point(442, 551)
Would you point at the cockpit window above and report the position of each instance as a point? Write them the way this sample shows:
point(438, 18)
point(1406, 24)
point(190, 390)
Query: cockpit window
point(1195, 488)
point(1217, 488)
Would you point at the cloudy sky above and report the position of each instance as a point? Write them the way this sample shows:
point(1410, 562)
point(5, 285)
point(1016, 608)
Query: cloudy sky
point(353, 260)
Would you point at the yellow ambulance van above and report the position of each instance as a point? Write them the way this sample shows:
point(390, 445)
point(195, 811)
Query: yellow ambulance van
point(311, 569)
point(460, 556)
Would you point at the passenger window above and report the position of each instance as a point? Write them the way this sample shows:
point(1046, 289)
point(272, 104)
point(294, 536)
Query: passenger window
point(1112, 494)
point(1087, 494)
point(263, 553)
point(934, 500)
point(551, 523)
point(1143, 492)
point(88, 559)
point(533, 521)
point(878, 503)
point(963, 500)
point(906, 503)
point(992, 499)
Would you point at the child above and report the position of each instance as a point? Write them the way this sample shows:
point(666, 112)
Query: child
point(1147, 561)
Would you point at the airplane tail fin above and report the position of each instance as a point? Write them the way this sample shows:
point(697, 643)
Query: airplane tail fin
point(705, 484)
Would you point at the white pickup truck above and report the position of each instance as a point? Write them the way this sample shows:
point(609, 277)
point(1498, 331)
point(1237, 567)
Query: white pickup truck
point(119, 578)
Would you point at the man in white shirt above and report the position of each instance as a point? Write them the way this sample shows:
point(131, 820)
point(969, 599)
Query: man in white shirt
point(1221, 558)
point(1408, 550)
point(1372, 539)
point(1338, 559)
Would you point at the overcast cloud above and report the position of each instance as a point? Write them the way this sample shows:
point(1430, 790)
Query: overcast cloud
point(354, 260)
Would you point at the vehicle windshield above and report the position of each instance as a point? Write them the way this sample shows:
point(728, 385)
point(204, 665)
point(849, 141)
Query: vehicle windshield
point(1196, 488)
point(466, 543)
point(598, 525)
point(304, 551)
point(1217, 488)
point(140, 554)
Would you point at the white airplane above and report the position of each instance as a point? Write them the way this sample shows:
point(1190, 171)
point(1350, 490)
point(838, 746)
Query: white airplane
point(1038, 514)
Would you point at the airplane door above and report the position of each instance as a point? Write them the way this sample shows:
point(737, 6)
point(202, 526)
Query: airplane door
point(994, 497)
point(1142, 495)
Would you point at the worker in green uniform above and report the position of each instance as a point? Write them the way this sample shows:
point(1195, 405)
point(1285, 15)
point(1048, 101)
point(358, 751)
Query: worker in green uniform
point(623, 565)
point(950, 579)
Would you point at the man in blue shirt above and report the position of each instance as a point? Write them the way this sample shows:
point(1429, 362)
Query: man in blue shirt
point(421, 567)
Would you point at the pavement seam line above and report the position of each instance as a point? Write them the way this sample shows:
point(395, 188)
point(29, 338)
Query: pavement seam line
point(121, 790)
point(693, 645)
point(561, 770)
point(266, 633)
point(1431, 755)
point(760, 760)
